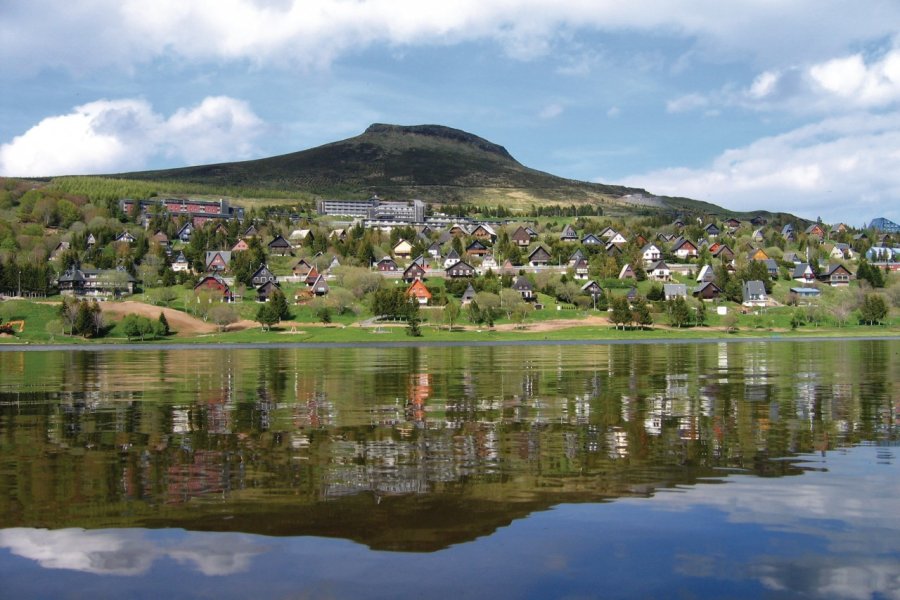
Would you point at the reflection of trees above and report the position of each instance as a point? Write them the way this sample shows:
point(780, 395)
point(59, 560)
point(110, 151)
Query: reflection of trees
point(524, 424)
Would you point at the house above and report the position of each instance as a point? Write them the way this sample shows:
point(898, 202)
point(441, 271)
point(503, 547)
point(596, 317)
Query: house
point(538, 257)
point(262, 275)
point(771, 267)
point(836, 276)
point(523, 285)
point(712, 230)
point(251, 232)
point(707, 290)
point(412, 272)
point(402, 249)
point(684, 248)
point(650, 254)
point(806, 292)
point(265, 290)
point(732, 225)
point(91, 241)
point(675, 290)
point(434, 250)
point(299, 236)
point(59, 250)
point(319, 286)
point(489, 263)
point(660, 271)
point(468, 295)
point(882, 254)
point(613, 249)
point(792, 257)
point(418, 291)
point(301, 268)
point(581, 269)
point(803, 272)
point(640, 241)
point(815, 230)
point(592, 289)
point(181, 264)
point(387, 265)
point(214, 284)
point(757, 254)
point(787, 232)
point(218, 260)
point(160, 239)
point(705, 274)
point(476, 248)
point(80, 282)
point(627, 272)
point(568, 234)
point(754, 293)
point(721, 251)
point(757, 235)
point(335, 263)
point(125, 238)
point(452, 259)
point(521, 237)
point(484, 233)
point(280, 247)
point(338, 235)
point(618, 239)
point(311, 277)
point(185, 231)
point(459, 270)
point(240, 246)
point(608, 233)
point(576, 256)
point(841, 251)
point(759, 221)
point(592, 240)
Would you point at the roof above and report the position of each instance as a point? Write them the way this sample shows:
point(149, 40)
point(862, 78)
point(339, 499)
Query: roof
point(675, 289)
point(754, 288)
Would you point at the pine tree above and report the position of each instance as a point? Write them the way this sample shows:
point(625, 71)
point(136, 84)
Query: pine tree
point(164, 323)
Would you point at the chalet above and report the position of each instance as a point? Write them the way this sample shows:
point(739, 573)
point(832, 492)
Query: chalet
point(792, 257)
point(160, 239)
point(218, 260)
point(262, 275)
point(338, 235)
point(675, 290)
point(771, 267)
point(520, 237)
point(476, 248)
point(627, 272)
point(678, 224)
point(757, 235)
point(803, 272)
point(632, 295)
point(484, 233)
point(705, 274)
point(265, 290)
point(425, 230)
point(841, 251)
point(91, 241)
point(684, 248)
point(452, 259)
point(732, 225)
point(214, 284)
point(412, 272)
point(836, 276)
point(860, 236)
point(712, 230)
point(181, 264)
point(300, 236)
point(185, 231)
point(240, 246)
point(434, 250)
point(592, 240)
point(576, 256)
point(319, 286)
point(280, 247)
point(402, 249)
point(60, 249)
point(759, 221)
point(468, 295)
point(125, 238)
point(613, 249)
point(618, 239)
point(457, 230)
point(568, 234)
point(80, 282)
point(387, 265)
point(665, 237)
point(721, 251)
point(840, 228)
point(538, 257)
point(335, 263)
point(815, 230)
point(301, 268)
point(311, 277)
point(650, 254)
point(660, 271)
point(707, 290)
point(251, 232)
point(592, 289)
point(640, 241)
point(787, 232)
point(754, 293)
point(523, 285)
point(607, 233)
point(419, 292)
point(459, 270)
point(489, 263)
point(757, 254)
point(806, 292)
point(581, 269)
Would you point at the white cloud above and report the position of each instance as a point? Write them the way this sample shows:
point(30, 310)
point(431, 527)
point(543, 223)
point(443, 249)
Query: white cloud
point(686, 103)
point(97, 33)
point(551, 111)
point(119, 135)
point(764, 84)
point(853, 81)
point(826, 169)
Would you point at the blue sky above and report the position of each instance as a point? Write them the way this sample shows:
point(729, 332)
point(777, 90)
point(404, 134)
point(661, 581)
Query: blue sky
point(787, 105)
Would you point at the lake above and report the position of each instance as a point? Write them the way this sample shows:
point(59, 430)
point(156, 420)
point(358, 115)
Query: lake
point(703, 470)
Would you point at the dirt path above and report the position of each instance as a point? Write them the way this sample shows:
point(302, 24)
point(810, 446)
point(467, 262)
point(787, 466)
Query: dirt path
point(183, 324)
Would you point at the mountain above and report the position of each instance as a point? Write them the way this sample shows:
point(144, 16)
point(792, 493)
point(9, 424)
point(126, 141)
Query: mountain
point(430, 162)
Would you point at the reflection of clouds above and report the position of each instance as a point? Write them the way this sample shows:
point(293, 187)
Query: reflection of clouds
point(127, 552)
point(851, 503)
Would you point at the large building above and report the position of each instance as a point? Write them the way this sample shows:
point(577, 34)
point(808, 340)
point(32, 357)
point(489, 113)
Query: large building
point(375, 209)
point(199, 211)
point(884, 225)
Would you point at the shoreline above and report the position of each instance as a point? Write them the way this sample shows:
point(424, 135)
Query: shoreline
point(157, 346)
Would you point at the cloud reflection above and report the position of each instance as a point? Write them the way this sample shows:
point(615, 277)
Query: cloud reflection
point(127, 552)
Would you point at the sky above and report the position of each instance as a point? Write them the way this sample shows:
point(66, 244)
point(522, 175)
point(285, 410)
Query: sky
point(791, 105)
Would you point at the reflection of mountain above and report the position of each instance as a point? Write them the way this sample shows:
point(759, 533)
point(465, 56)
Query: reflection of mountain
point(411, 449)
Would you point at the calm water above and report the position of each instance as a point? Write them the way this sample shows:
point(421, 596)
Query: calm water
point(700, 470)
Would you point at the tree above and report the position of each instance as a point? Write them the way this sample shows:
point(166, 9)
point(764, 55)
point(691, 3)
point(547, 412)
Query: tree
point(223, 316)
point(700, 316)
point(621, 313)
point(521, 312)
point(266, 315)
point(323, 313)
point(873, 310)
point(413, 319)
point(280, 305)
point(164, 324)
point(679, 313)
point(451, 312)
point(641, 313)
